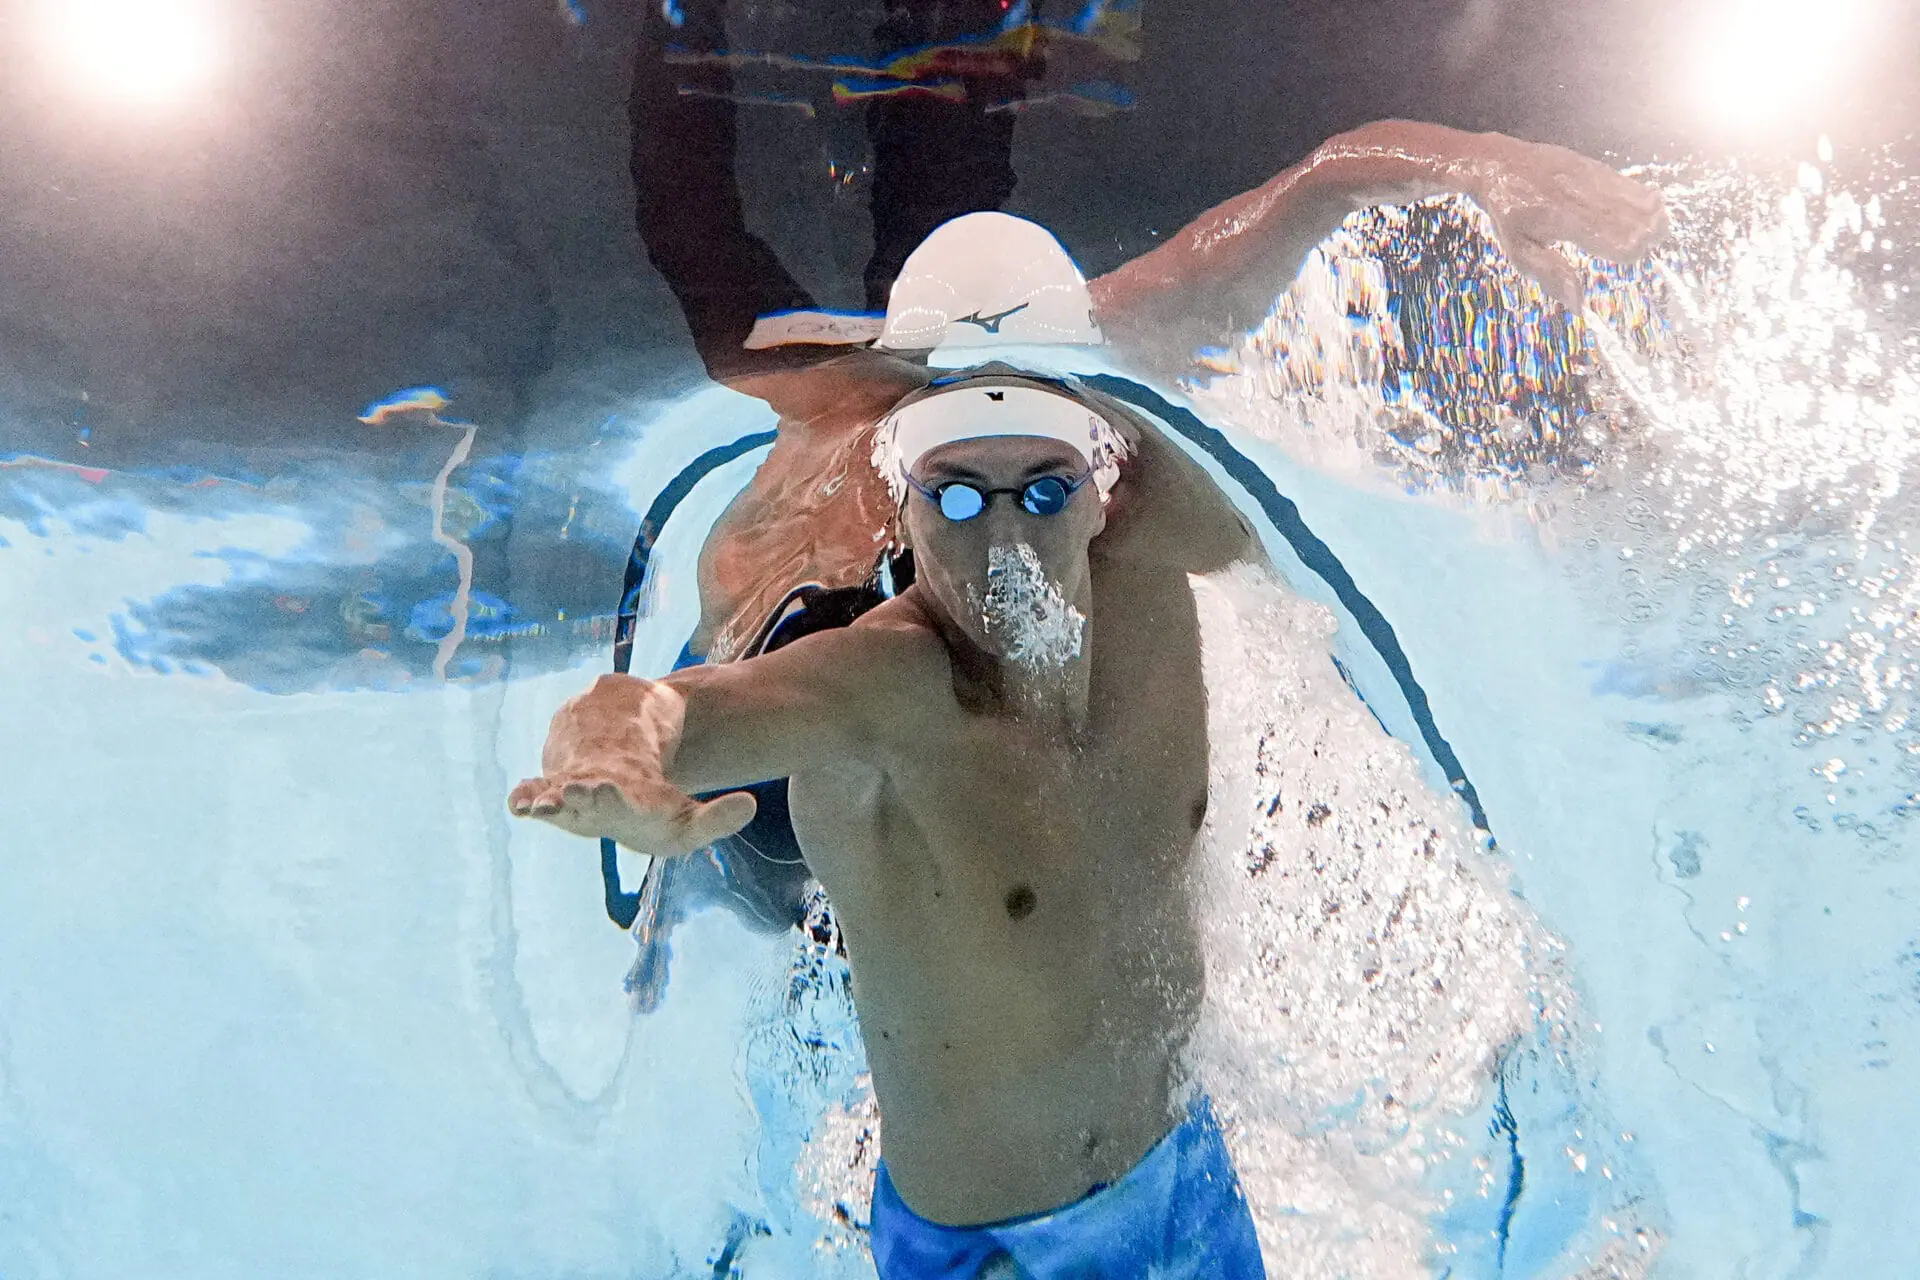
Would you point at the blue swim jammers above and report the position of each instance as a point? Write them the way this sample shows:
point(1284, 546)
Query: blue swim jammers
point(1177, 1215)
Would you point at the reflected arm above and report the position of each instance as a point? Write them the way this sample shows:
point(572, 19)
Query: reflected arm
point(1221, 272)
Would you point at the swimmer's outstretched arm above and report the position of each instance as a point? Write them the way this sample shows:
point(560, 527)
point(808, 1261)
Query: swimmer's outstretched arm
point(625, 758)
point(1221, 272)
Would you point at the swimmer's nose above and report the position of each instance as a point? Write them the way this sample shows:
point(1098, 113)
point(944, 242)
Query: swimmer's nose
point(1006, 524)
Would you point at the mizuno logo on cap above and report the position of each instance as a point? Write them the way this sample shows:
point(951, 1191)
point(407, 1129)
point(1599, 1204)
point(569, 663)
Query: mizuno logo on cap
point(991, 323)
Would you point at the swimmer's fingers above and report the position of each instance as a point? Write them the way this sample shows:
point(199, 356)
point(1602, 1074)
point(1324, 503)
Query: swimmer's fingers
point(652, 819)
point(1634, 222)
point(534, 798)
point(1533, 238)
point(572, 806)
point(1607, 214)
point(1546, 196)
point(1534, 254)
point(667, 823)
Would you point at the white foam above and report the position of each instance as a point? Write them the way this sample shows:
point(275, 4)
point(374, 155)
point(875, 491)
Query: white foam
point(1365, 964)
point(1024, 610)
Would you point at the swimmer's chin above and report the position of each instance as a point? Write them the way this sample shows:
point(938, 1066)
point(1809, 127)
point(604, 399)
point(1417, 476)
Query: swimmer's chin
point(997, 643)
point(1051, 664)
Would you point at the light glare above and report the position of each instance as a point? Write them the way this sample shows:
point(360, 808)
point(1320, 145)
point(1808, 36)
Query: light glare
point(1765, 59)
point(148, 50)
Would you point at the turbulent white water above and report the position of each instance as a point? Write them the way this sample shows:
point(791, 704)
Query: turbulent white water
point(1659, 575)
point(1365, 965)
point(1723, 449)
point(1023, 610)
point(1366, 970)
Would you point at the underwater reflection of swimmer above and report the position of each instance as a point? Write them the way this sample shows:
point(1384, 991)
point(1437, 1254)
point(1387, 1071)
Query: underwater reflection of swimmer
point(999, 772)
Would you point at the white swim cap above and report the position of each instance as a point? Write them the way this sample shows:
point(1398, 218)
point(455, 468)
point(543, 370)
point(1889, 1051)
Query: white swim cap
point(985, 280)
point(993, 405)
point(981, 282)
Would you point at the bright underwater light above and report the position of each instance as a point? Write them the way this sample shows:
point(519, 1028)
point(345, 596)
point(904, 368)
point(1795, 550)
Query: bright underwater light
point(151, 51)
point(1762, 60)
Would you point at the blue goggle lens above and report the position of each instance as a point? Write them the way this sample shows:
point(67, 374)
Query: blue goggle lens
point(961, 502)
point(1046, 496)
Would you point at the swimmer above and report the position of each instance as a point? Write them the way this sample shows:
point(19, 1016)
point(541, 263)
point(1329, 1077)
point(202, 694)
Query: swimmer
point(999, 777)
point(999, 774)
point(812, 540)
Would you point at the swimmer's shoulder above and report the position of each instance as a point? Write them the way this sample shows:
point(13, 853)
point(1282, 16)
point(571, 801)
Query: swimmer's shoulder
point(882, 686)
point(877, 668)
point(1165, 510)
point(901, 640)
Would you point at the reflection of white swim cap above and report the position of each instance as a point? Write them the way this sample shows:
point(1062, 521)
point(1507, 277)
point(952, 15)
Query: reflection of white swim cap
point(984, 280)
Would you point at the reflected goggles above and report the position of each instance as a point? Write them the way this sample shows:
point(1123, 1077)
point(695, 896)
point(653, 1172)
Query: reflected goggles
point(960, 501)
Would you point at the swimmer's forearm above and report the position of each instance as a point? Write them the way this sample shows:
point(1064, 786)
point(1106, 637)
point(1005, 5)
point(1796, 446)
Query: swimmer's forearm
point(1279, 222)
point(715, 747)
point(756, 719)
point(1222, 270)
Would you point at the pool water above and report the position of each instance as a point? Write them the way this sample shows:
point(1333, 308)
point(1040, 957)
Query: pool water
point(283, 991)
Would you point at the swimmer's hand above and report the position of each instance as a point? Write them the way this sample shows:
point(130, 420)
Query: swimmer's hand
point(604, 773)
point(1541, 196)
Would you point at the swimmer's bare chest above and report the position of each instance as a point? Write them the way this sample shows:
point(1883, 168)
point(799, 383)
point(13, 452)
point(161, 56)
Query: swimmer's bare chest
point(1018, 919)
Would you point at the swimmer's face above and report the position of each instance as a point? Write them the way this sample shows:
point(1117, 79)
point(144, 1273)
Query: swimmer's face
point(951, 558)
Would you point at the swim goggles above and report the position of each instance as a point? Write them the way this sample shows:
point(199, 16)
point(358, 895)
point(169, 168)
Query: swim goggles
point(960, 501)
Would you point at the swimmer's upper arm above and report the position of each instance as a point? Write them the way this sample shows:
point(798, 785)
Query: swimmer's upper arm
point(1167, 508)
point(807, 705)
